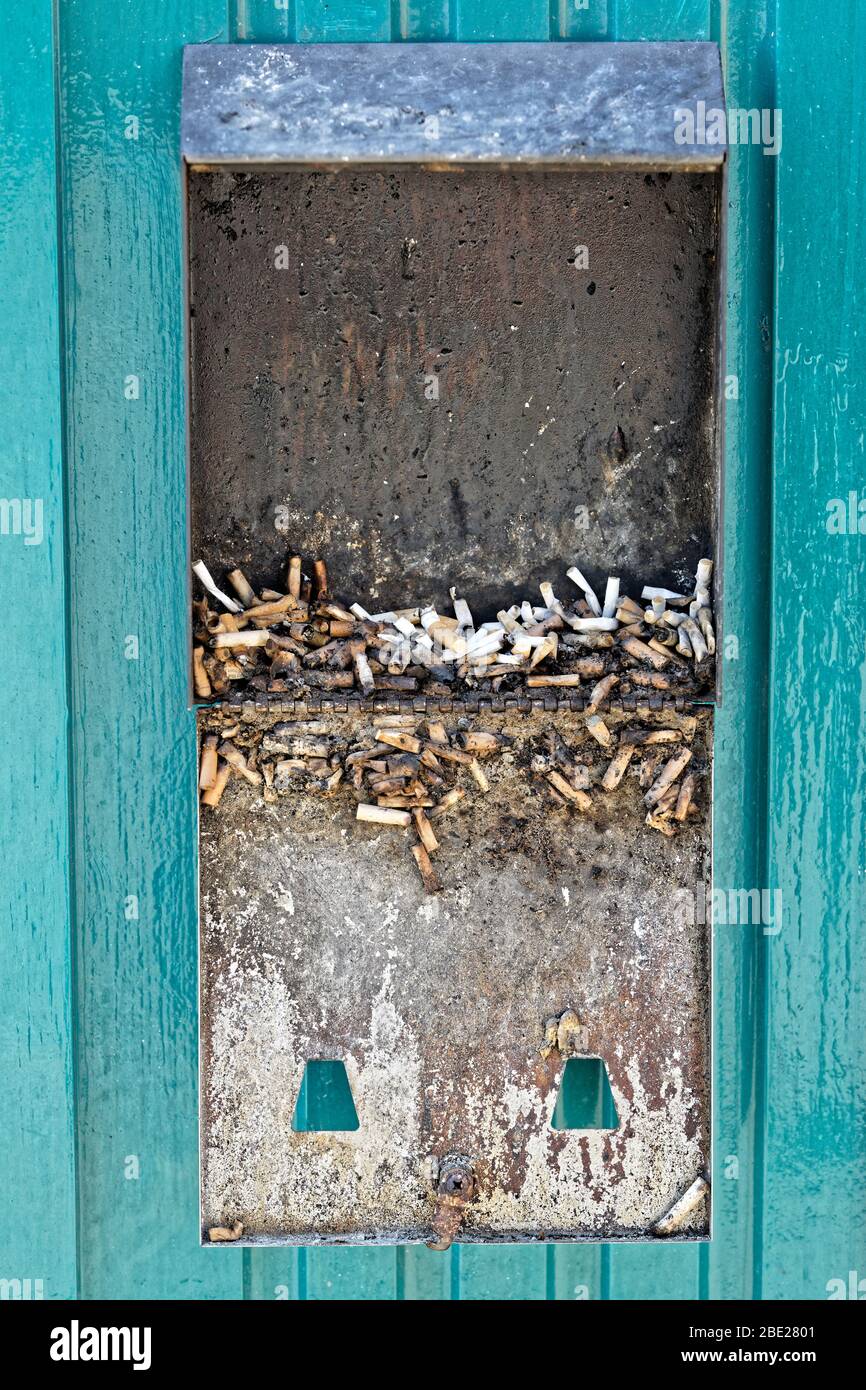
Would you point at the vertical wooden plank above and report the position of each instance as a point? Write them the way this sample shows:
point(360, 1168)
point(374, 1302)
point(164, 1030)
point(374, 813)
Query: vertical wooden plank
point(650, 1271)
point(352, 1273)
point(37, 1141)
point(654, 1270)
point(425, 1274)
point(262, 21)
point(814, 1217)
point(511, 20)
point(134, 764)
point(582, 19)
point(740, 774)
point(421, 19)
point(661, 19)
point(343, 21)
point(493, 1272)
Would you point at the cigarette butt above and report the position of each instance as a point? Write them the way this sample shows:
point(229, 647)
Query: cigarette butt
point(577, 578)
point(652, 680)
point(425, 830)
point(640, 737)
point(320, 575)
point(235, 758)
point(213, 795)
point(648, 768)
point(696, 638)
point(684, 800)
point(397, 739)
point(220, 1233)
point(383, 815)
point(572, 794)
point(682, 1209)
point(630, 605)
point(601, 691)
point(478, 773)
point(405, 803)
point(242, 588)
point(650, 591)
point(337, 612)
point(704, 574)
point(363, 672)
point(616, 768)
point(667, 801)
point(255, 637)
point(293, 578)
point(338, 627)
point(462, 611)
point(208, 769)
point(201, 571)
point(642, 652)
point(572, 679)
point(611, 598)
point(705, 623)
point(281, 662)
point(669, 774)
point(684, 646)
point(275, 608)
point(330, 680)
point(201, 683)
point(449, 800)
point(508, 622)
point(479, 742)
point(661, 823)
point(592, 624)
point(547, 648)
point(450, 755)
point(429, 759)
point(599, 730)
point(395, 721)
point(428, 874)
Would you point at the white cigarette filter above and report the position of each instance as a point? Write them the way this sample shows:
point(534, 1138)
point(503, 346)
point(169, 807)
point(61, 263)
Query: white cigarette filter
point(704, 574)
point(461, 610)
point(577, 578)
point(593, 624)
point(650, 592)
point(611, 598)
point(254, 637)
point(201, 571)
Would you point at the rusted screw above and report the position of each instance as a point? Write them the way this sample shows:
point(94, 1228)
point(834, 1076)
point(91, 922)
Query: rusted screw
point(454, 1189)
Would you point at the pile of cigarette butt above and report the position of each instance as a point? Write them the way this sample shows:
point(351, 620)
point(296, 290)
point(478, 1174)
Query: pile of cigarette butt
point(407, 771)
point(281, 642)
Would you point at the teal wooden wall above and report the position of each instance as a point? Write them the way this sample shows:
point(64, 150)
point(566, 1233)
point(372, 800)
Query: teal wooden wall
point(98, 1149)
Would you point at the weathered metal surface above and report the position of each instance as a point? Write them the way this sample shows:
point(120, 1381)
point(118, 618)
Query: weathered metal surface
point(572, 103)
point(434, 392)
point(317, 941)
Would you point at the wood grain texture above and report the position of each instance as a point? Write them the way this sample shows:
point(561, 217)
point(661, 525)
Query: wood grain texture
point(134, 744)
point(814, 1215)
point(37, 1137)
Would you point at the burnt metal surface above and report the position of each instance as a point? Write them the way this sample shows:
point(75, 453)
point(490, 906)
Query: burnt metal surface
point(330, 103)
point(433, 392)
point(317, 941)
